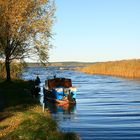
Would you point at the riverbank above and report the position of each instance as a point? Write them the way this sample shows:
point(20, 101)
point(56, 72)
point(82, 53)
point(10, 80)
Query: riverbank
point(123, 68)
point(22, 117)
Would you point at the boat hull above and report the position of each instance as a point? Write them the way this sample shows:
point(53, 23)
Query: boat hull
point(60, 96)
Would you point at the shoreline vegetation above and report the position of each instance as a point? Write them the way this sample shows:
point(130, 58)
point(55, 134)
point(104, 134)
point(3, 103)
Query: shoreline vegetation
point(22, 118)
point(16, 69)
point(122, 68)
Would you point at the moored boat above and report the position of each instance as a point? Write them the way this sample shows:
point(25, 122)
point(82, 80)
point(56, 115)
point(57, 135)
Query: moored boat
point(60, 90)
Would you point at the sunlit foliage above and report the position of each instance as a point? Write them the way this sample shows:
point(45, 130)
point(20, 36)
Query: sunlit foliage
point(25, 29)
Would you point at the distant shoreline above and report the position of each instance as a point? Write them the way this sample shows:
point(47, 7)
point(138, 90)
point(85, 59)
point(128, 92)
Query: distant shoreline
point(61, 64)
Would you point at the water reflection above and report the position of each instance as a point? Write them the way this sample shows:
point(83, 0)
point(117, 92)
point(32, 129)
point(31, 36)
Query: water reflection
point(61, 113)
point(56, 108)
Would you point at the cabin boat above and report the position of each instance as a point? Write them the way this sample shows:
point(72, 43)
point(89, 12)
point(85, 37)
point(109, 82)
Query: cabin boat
point(60, 90)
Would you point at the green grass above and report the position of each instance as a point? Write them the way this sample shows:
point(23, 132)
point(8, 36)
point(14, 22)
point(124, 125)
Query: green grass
point(38, 127)
point(22, 118)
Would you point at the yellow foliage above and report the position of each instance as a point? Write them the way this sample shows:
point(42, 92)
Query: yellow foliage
point(25, 30)
point(16, 68)
point(23, 23)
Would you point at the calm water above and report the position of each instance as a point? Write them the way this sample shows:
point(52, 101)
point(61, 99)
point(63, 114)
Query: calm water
point(108, 108)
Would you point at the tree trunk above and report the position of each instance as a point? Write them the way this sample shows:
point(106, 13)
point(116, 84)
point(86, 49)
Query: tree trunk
point(7, 65)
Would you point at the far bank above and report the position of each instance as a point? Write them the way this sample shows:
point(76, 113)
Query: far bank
point(123, 68)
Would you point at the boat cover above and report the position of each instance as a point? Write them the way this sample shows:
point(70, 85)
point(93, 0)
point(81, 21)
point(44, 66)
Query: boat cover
point(59, 82)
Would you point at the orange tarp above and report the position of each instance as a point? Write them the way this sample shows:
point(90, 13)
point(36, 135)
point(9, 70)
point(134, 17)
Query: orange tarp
point(59, 82)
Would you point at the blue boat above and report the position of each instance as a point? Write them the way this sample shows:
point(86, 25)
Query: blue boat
point(60, 90)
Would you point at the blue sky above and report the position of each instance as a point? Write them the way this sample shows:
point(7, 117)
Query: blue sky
point(96, 30)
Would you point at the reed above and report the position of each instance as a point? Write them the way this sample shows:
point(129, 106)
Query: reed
point(123, 68)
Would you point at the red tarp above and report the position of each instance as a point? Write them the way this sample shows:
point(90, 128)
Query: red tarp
point(59, 82)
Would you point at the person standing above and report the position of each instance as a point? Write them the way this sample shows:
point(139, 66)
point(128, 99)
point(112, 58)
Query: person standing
point(37, 81)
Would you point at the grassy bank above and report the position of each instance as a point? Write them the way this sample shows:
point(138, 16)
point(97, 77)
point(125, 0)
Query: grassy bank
point(22, 118)
point(124, 68)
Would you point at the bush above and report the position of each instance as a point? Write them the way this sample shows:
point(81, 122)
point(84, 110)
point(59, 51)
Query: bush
point(16, 69)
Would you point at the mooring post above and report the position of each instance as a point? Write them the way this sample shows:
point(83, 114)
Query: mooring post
point(43, 107)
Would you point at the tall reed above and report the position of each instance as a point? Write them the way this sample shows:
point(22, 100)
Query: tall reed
point(124, 68)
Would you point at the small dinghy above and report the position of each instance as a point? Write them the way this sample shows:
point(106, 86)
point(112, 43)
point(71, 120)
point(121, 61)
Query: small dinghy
point(60, 90)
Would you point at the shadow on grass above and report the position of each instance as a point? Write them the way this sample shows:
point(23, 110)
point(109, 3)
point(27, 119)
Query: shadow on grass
point(4, 116)
point(16, 95)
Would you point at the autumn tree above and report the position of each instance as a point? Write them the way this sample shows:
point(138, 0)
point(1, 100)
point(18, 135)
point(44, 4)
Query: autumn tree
point(25, 30)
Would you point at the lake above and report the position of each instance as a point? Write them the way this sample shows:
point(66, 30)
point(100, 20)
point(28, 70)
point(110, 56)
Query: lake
point(107, 108)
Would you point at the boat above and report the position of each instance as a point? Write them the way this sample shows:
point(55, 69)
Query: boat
point(60, 90)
